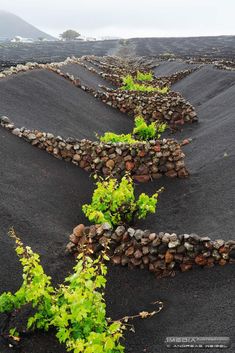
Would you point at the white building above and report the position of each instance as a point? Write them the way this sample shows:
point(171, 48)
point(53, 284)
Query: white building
point(19, 39)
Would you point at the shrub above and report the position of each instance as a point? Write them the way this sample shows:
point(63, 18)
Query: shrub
point(76, 309)
point(115, 202)
point(130, 85)
point(144, 76)
point(110, 137)
point(143, 131)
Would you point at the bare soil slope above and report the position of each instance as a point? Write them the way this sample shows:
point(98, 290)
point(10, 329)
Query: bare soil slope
point(86, 77)
point(43, 100)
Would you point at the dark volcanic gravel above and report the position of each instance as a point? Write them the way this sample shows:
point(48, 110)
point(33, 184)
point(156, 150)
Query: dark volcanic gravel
point(170, 67)
point(86, 77)
point(188, 47)
point(42, 197)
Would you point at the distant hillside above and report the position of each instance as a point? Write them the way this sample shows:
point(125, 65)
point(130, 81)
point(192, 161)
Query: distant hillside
point(12, 25)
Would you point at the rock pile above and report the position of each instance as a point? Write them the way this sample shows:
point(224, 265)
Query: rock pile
point(144, 161)
point(161, 253)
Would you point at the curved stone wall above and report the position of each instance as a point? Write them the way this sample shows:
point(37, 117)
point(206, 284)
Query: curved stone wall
point(161, 253)
point(144, 161)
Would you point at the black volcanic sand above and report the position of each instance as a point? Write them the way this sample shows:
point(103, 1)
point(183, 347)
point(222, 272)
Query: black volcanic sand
point(222, 47)
point(204, 203)
point(170, 67)
point(53, 51)
point(87, 78)
point(42, 197)
point(206, 84)
point(43, 100)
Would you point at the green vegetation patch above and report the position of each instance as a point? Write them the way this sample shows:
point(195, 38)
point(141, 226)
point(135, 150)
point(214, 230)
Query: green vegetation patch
point(142, 132)
point(76, 309)
point(130, 85)
point(115, 203)
point(147, 76)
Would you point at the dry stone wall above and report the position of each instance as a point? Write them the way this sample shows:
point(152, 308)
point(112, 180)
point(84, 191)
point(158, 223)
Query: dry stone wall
point(113, 69)
point(161, 253)
point(144, 161)
point(171, 107)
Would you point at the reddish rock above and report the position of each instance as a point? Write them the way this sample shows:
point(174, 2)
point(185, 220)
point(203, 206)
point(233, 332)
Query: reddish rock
point(50, 149)
point(130, 165)
point(39, 134)
point(222, 262)
point(116, 259)
point(183, 173)
point(152, 236)
point(141, 178)
point(200, 260)
point(136, 262)
point(77, 157)
point(78, 231)
point(141, 153)
point(83, 164)
point(138, 254)
point(170, 165)
point(171, 173)
point(125, 260)
point(157, 148)
point(168, 257)
point(145, 260)
point(210, 262)
point(130, 251)
point(224, 250)
point(110, 164)
point(179, 122)
point(73, 239)
point(185, 142)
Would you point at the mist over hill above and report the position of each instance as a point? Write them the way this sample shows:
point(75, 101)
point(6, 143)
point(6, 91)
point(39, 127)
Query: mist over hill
point(12, 25)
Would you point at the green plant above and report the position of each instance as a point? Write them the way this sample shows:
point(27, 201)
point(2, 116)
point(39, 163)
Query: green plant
point(114, 202)
point(75, 309)
point(148, 76)
point(130, 85)
point(110, 137)
point(143, 131)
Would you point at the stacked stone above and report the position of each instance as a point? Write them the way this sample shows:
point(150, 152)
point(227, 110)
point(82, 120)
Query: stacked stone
point(144, 161)
point(170, 107)
point(225, 65)
point(114, 73)
point(114, 68)
point(13, 70)
point(161, 253)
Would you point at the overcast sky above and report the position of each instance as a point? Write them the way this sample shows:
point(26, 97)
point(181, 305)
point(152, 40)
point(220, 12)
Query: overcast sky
point(128, 18)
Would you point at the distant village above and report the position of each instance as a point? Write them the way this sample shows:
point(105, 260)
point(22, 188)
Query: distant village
point(19, 39)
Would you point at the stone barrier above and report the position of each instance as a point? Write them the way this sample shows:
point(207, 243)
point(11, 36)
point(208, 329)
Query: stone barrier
point(144, 161)
point(161, 253)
